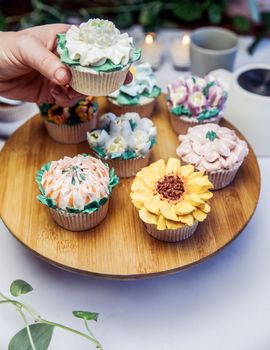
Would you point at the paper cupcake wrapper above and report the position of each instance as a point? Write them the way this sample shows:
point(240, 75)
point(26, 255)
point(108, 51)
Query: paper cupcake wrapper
point(223, 178)
point(15, 113)
point(128, 167)
point(172, 235)
point(97, 84)
point(181, 126)
point(79, 222)
point(144, 110)
point(70, 134)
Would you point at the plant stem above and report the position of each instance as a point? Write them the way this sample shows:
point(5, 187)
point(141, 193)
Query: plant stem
point(27, 328)
point(94, 340)
point(92, 335)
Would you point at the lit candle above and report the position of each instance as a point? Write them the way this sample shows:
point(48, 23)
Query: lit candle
point(152, 50)
point(180, 52)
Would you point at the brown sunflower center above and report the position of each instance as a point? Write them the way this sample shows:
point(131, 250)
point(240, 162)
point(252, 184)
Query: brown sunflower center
point(170, 188)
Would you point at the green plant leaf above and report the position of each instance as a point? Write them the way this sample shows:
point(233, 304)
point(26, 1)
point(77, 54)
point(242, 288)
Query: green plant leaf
point(265, 18)
point(215, 13)
point(19, 287)
point(149, 15)
point(3, 24)
point(188, 11)
point(241, 24)
point(41, 335)
point(86, 315)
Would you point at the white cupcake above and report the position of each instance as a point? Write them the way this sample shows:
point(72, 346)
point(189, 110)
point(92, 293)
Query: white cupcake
point(98, 55)
point(214, 149)
point(124, 142)
point(76, 190)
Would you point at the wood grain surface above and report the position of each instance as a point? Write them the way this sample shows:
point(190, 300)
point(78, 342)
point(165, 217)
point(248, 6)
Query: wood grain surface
point(120, 246)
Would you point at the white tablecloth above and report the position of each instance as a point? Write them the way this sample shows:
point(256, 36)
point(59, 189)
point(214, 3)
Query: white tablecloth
point(222, 303)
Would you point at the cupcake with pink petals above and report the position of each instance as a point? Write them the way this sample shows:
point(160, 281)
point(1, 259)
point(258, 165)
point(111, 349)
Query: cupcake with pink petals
point(215, 150)
point(193, 100)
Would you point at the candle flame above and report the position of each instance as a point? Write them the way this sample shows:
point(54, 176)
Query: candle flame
point(149, 39)
point(186, 39)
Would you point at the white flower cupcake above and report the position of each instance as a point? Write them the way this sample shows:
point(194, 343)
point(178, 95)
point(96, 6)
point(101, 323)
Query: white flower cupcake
point(214, 149)
point(123, 142)
point(69, 124)
point(193, 100)
point(76, 190)
point(98, 55)
point(139, 96)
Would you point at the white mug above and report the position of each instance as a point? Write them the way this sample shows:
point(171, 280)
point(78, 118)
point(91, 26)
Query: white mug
point(246, 107)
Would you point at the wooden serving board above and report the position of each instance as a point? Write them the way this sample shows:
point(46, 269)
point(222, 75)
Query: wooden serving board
point(120, 246)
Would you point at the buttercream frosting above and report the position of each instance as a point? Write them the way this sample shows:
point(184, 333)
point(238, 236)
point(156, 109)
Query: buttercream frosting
point(141, 90)
point(127, 136)
point(210, 147)
point(76, 182)
point(200, 98)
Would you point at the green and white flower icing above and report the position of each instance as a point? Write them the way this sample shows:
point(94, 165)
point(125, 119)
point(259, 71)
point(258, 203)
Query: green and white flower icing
point(124, 137)
point(142, 89)
point(77, 185)
point(97, 44)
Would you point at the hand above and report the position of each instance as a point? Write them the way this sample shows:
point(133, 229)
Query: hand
point(31, 71)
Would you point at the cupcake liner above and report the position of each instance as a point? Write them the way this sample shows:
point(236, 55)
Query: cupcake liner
point(181, 125)
point(144, 110)
point(97, 84)
point(171, 235)
point(15, 113)
point(70, 134)
point(79, 222)
point(128, 167)
point(223, 178)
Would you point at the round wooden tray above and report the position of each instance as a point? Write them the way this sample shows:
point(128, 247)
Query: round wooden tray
point(120, 246)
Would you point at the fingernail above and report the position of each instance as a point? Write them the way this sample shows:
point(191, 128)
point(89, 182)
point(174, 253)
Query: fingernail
point(56, 90)
point(61, 75)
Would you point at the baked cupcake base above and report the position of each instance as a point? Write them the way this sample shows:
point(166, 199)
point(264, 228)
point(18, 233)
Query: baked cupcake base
point(79, 222)
point(181, 125)
point(144, 110)
point(70, 134)
point(171, 235)
point(97, 83)
point(223, 178)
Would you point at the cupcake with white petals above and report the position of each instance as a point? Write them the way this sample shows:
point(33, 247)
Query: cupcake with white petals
point(76, 190)
point(139, 96)
point(215, 150)
point(193, 100)
point(124, 142)
point(98, 55)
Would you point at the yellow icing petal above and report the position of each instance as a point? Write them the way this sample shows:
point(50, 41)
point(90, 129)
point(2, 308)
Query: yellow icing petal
point(194, 199)
point(172, 225)
point(147, 180)
point(186, 170)
point(205, 208)
point(153, 204)
point(195, 175)
point(147, 217)
point(139, 184)
point(187, 219)
point(184, 207)
point(205, 196)
point(200, 181)
point(199, 215)
point(173, 166)
point(168, 211)
point(161, 223)
point(138, 199)
point(158, 168)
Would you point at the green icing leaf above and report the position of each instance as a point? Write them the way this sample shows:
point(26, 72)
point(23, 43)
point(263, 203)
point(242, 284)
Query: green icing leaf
point(181, 110)
point(125, 99)
point(206, 89)
point(209, 114)
point(108, 66)
point(89, 208)
point(211, 135)
point(100, 151)
point(156, 91)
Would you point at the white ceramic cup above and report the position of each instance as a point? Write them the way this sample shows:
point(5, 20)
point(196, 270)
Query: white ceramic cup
point(248, 111)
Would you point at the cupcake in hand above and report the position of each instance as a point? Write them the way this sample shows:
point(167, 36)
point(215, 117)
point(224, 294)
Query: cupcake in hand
point(69, 124)
point(76, 191)
point(171, 199)
point(98, 55)
point(193, 100)
point(214, 149)
point(139, 96)
point(124, 142)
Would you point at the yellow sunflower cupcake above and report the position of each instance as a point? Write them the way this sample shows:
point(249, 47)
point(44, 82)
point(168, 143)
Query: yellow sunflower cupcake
point(171, 199)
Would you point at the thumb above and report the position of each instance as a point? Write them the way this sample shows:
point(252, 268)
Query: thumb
point(34, 54)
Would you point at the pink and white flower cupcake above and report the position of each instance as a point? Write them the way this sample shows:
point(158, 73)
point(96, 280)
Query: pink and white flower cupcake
point(76, 190)
point(214, 149)
point(193, 100)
